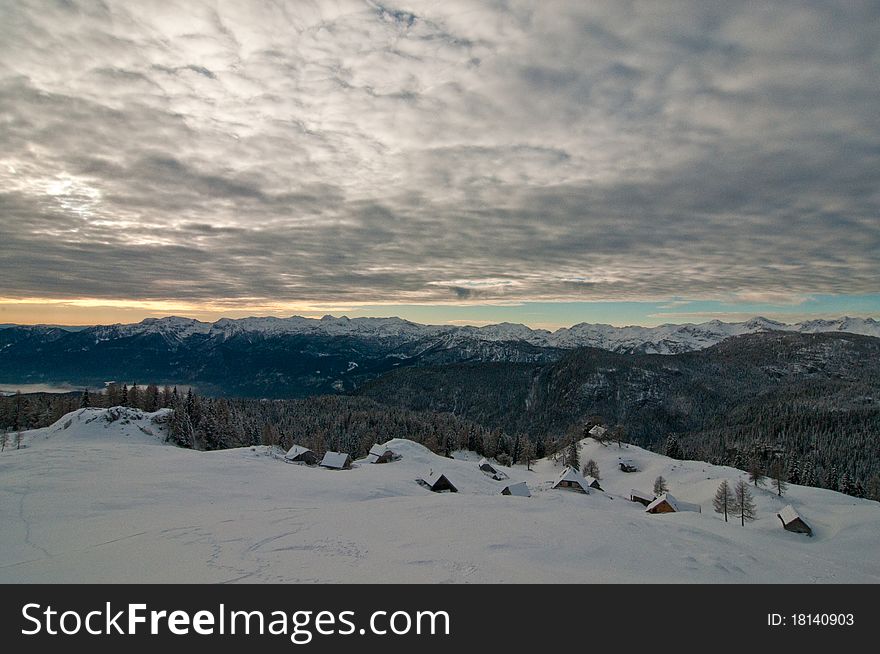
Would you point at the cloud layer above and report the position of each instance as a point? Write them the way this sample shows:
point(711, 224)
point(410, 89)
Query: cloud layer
point(355, 152)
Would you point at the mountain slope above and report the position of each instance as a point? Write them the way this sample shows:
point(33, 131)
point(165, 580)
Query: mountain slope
point(295, 357)
point(814, 394)
point(94, 503)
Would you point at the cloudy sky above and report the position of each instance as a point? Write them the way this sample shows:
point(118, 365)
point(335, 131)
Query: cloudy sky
point(541, 162)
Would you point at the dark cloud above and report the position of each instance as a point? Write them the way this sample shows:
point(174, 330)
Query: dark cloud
point(365, 152)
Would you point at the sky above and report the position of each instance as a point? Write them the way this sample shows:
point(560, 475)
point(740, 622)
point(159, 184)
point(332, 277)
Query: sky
point(449, 162)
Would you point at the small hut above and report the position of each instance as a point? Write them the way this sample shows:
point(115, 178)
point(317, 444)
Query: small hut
point(438, 483)
point(300, 454)
point(666, 503)
point(592, 482)
point(791, 521)
point(520, 489)
point(491, 470)
point(571, 479)
point(336, 461)
point(627, 465)
point(641, 497)
point(381, 454)
point(597, 432)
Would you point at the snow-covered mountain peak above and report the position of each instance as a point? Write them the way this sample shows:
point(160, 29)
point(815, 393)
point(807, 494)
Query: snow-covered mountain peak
point(663, 339)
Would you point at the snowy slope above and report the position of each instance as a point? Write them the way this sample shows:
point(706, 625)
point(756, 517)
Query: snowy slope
point(103, 500)
point(665, 339)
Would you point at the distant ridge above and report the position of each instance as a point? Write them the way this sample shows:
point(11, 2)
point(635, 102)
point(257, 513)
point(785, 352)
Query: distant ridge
point(663, 339)
point(300, 357)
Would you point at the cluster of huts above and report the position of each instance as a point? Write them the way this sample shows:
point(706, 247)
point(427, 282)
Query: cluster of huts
point(569, 479)
point(337, 460)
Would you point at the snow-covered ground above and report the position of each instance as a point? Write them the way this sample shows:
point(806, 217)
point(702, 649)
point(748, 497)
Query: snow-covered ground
point(96, 499)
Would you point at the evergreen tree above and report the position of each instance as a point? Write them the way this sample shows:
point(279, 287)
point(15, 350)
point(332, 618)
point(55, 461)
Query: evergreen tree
point(724, 499)
point(860, 490)
point(831, 478)
point(591, 469)
point(808, 476)
point(113, 394)
point(166, 397)
point(673, 449)
point(123, 400)
point(743, 504)
point(152, 401)
point(756, 474)
point(573, 456)
point(660, 486)
point(528, 453)
point(873, 490)
point(4, 439)
point(846, 485)
point(134, 396)
point(794, 473)
point(84, 400)
point(777, 473)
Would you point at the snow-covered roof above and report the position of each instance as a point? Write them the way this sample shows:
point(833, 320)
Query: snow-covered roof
point(520, 489)
point(666, 497)
point(334, 460)
point(572, 475)
point(485, 462)
point(788, 514)
point(378, 450)
point(598, 430)
point(434, 477)
point(676, 504)
point(591, 480)
point(295, 451)
point(640, 494)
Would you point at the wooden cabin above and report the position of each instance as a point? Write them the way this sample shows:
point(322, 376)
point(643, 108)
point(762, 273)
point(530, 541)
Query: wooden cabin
point(300, 454)
point(380, 454)
point(642, 498)
point(791, 521)
point(491, 470)
point(520, 489)
point(438, 483)
point(666, 503)
point(571, 479)
point(336, 461)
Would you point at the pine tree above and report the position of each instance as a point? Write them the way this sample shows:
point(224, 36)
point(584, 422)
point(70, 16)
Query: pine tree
point(831, 478)
point(873, 490)
point(152, 400)
point(808, 476)
point(724, 499)
point(673, 449)
point(528, 453)
point(743, 504)
point(591, 469)
point(124, 399)
point(846, 485)
point(573, 457)
point(4, 439)
point(756, 474)
point(660, 486)
point(860, 490)
point(84, 401)
point(794, 473)
point(777, 473)
point(134, 396)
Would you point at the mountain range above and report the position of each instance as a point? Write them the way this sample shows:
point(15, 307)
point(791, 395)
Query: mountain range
point(296, 356)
